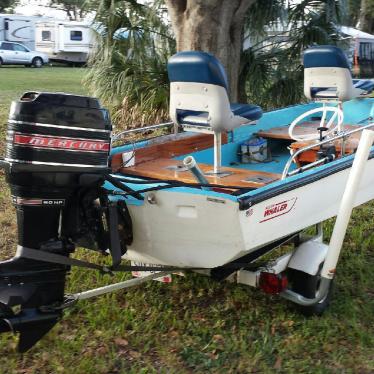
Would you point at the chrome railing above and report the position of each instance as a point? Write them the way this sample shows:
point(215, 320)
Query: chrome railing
point(342, 135)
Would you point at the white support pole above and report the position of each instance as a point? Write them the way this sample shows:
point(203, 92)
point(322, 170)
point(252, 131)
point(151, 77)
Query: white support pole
point(118, 286)
point(347, 203)
point(217, 152)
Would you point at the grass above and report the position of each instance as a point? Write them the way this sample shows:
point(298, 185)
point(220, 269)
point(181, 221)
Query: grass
point(195, 325)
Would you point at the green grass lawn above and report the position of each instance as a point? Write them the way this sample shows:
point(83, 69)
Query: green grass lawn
point(195, 324)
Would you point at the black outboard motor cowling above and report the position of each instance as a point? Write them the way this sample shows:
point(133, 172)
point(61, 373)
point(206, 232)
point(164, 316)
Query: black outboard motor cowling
point(58, 131)
point(56, 160)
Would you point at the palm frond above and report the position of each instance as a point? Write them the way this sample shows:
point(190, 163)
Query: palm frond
point(272, 67)
point(128, 70)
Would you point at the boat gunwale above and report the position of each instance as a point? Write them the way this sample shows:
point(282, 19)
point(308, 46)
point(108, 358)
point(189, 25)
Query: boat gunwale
point(296, 181)
point(248, 199)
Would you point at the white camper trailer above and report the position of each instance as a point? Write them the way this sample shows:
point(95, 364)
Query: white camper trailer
point(19, 29)
point(65, 41)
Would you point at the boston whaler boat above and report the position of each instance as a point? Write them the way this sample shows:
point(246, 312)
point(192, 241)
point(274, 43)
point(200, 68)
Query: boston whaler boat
point(227, 186)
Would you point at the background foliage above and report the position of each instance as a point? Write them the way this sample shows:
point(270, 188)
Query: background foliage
point(7, 5)
point(129, 69)
point(135, 40)
point(128, 72)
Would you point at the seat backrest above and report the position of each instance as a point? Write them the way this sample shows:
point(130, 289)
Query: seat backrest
point(327, 75)
point(198, 84)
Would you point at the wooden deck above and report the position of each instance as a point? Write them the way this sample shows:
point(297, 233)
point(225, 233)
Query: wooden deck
point(304, 128)
point(167, 169)
point(281, 132)
point(311, 128)
point(168, 147)
point(155, 161)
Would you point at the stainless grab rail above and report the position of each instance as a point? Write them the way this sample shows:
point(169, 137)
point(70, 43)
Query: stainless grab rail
point(285, 173)
point(141, 129)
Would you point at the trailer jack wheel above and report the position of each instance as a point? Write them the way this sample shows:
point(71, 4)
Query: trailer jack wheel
point(307, 285)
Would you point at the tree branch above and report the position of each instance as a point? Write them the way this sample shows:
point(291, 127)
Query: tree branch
point(242, 9)
point(176, 9)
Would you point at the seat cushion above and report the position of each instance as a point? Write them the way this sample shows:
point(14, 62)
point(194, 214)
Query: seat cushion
point(366, 85)
point(323, 93)
point(249, 111)
point(362, 87)
point(192, 117)
point(197, 67)
point(197, 118)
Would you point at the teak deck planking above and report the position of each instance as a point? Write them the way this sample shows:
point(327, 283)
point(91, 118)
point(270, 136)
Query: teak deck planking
point(159, 169)
point(156, 161)
point(168, 147)
point(307, 128)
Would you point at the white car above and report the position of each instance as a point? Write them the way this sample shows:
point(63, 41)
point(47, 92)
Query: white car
point(18, 54)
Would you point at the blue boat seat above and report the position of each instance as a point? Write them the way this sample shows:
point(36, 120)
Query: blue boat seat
point(366, 85)
point(327, 75)
point(199, 94)
point(250, 111)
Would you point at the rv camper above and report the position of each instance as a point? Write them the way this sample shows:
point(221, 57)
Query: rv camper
point(19, 29)
point(65, 41)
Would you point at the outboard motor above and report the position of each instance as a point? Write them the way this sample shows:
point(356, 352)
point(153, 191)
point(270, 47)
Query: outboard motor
point(56, 162)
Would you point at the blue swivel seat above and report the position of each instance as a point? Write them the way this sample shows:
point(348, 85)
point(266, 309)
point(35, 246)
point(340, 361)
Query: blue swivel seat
point(199, 98)
point(328, 79)
point(327, 76)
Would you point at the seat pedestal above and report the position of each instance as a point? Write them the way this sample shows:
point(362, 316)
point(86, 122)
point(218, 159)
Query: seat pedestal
point(217, 152)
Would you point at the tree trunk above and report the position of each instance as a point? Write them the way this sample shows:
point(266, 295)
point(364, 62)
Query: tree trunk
point(214, 26)
point(366, 22)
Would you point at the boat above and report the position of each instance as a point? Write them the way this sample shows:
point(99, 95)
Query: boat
point(221, 188)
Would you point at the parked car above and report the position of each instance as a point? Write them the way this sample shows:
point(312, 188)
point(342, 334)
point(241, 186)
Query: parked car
point(18, 54)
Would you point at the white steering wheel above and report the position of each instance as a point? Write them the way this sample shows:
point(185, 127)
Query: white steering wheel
point(337, 114)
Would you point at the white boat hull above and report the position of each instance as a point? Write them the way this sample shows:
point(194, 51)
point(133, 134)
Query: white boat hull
point(195, 230)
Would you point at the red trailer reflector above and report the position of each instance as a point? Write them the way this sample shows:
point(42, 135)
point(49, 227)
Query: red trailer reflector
point(273, 283)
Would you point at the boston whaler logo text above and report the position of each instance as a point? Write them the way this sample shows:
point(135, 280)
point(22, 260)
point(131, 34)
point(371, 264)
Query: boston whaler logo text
point(61, 143)
point(278, 209)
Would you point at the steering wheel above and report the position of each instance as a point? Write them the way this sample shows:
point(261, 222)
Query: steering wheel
point(337, 114)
